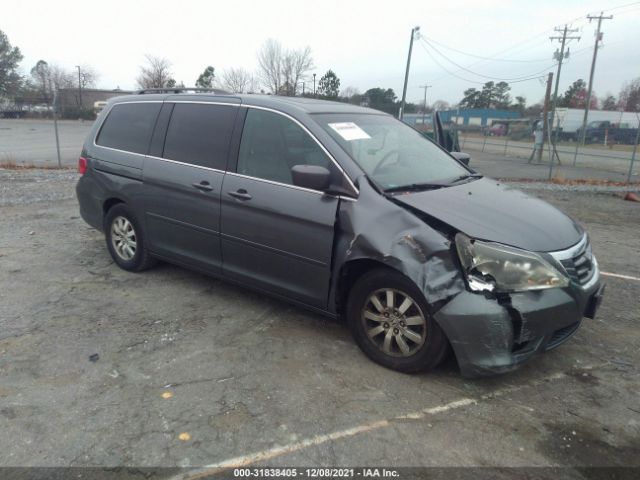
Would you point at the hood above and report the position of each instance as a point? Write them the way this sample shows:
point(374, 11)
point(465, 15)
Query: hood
point(487, 210)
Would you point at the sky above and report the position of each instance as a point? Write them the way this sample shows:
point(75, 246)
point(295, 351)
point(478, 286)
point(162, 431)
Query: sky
point(364, 42)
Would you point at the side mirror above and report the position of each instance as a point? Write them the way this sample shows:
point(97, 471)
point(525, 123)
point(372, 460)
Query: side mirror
point(461, 157)
point(310, 176)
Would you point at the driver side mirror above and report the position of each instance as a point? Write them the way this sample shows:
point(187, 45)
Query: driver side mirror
point(311, 176)
point(461, 157)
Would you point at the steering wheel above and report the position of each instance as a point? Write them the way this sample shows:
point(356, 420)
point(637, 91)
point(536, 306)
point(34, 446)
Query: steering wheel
point(384, 160)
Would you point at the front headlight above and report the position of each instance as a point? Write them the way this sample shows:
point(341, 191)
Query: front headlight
point(492, 266)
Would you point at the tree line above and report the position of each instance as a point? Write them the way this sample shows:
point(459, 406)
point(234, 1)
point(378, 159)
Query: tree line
point(281, 71)
point(497, 96)
point(43, 80)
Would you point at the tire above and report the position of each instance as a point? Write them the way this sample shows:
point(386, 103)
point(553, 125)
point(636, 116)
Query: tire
point(425, 344)
point(125, 239)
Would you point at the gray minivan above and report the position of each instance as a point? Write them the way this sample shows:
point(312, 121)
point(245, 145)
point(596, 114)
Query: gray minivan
point(343, 210)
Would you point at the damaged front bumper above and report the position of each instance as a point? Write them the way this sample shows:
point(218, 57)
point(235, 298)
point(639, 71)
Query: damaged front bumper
point(492, 335)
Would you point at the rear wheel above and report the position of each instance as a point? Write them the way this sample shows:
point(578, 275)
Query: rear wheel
point(125, 240)
point(392, 324)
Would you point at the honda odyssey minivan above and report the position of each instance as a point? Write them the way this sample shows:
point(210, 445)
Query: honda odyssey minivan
point(343, 210)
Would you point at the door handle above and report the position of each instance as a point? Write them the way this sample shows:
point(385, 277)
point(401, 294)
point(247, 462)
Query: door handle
point(241, 194)
point(203, 186)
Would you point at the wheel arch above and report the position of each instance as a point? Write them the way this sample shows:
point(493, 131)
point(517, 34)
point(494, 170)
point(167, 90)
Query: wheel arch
point(109, 203)
point(349, 274)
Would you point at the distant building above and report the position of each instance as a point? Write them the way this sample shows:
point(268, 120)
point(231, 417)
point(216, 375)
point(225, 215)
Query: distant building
point(419, 121)
point(92, 98)
point(480, 117)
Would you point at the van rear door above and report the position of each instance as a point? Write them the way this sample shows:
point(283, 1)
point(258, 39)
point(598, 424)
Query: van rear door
point(183, 178)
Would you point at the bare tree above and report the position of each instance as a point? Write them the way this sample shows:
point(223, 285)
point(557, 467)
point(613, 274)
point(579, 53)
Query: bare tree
point(349, 92)
point(630, 96)
point(60, 77)
point(156, 74)
point(297, 64)
point(270, 64)
point(88, 76)
point(238, 80)
point(254, 84)
point(439, 105)
point(281, 71)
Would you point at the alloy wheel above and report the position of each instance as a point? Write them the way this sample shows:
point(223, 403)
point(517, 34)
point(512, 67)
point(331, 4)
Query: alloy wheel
point(123, 238)
point(394, 322)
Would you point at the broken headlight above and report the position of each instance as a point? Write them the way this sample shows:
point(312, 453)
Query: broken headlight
point(495, 267)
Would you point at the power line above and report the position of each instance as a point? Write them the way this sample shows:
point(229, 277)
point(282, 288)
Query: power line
point(512, 79)
point(576, 20)
point(445, 69)
point(495, 59)
point(437, 62)
point(621, 6)
point(510, 48)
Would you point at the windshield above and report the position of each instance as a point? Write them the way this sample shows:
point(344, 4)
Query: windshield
point(391, 153)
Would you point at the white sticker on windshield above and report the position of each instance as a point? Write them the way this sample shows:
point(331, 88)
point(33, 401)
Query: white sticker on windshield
point(349, 131)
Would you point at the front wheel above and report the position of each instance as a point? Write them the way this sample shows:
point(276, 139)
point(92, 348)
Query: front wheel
point(125, 240)
point(392, 324)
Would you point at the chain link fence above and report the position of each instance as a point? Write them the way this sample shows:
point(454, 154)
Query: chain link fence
point(31, 142)
point(568, 160)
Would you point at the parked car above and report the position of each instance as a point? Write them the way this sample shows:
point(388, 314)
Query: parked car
point(345, 211)
point(497, 130)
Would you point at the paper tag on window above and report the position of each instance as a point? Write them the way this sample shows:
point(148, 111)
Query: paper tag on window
point(349, 131)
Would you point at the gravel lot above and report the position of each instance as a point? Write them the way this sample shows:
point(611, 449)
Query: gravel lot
point(193, 372)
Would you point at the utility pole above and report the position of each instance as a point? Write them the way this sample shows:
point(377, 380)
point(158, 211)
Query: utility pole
point(559, 55)
point(414, 31)
point(424, 102)
point(79, 86)
point(55, 122)
point(314, 84)
point(590, 87)
point(545, 116)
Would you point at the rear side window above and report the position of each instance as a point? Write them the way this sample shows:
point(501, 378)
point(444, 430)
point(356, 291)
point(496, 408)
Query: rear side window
point(200, 134)
point(129, 126)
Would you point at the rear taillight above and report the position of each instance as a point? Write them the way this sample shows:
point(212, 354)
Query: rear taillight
point(82, 165)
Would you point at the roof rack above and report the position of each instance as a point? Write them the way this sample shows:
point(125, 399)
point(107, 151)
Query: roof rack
point(216, 91)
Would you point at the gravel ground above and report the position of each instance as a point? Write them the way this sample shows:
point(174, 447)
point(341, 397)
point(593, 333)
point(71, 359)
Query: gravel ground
point(193, 371)
point(24, 187)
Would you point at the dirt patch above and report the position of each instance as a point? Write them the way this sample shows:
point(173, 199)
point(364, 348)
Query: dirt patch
point(589, 445)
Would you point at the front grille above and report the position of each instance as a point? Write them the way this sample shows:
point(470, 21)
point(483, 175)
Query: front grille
point(580, 266)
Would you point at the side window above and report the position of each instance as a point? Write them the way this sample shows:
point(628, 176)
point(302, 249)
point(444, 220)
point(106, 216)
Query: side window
point(129, 126)
point(200, 134)
point(271, 144)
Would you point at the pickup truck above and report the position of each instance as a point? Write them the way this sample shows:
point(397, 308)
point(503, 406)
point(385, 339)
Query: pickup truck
point(607, 133)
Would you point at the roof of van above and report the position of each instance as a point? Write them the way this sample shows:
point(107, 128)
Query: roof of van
point(300, 104)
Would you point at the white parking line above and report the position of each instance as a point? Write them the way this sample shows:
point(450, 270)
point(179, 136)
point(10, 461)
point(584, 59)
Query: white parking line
point(617, 275)
point(245, 460)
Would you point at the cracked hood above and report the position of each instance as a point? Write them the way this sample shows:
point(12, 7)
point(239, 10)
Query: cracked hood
point(488, 210)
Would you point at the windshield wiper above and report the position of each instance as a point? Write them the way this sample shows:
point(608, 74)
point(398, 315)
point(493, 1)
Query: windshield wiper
point(415, 187)
point(466, 176)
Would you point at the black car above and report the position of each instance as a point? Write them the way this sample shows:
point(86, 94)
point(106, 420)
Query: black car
point(343, 210)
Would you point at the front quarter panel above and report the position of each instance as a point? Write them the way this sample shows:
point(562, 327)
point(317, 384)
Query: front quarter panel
point(374, 228)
